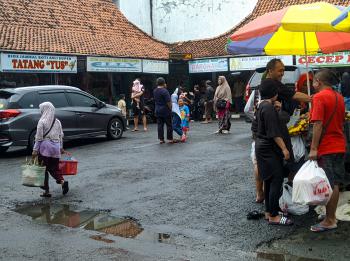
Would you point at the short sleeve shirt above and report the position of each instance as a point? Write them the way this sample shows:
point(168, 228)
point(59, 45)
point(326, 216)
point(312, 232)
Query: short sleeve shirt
point(161, 98)
point(268, 124)
point(323, 105)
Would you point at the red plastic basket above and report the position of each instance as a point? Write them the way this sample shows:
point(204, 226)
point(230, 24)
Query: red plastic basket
point(68, 166)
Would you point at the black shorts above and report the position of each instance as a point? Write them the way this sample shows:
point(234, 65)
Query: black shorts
point(333, 165)
point(137, 111)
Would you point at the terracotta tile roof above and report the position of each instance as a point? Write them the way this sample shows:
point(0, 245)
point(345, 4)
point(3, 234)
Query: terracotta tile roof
point(216, 46)
point(87, 27)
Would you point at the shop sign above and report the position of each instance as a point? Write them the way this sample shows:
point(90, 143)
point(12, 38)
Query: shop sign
point(30, 63)
point(251, 63)
point(180, 56)
point(328, 60)
point(154, 66)
point(105, 64)
point(208, 65)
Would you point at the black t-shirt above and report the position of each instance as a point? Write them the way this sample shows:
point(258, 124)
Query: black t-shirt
point(285, 96)
point(161, 98)
point(268, 124)
point(209, 93)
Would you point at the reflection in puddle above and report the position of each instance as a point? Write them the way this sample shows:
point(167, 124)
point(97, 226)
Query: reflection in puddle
point(283, 257)
point(69, 216)
point(91, 220)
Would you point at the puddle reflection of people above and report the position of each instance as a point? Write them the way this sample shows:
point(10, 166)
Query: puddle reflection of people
point(49, 146)
point(64, 216)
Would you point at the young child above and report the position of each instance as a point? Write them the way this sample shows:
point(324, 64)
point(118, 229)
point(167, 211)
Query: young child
point(122, 106)
point(136, 89)
point(185, 117)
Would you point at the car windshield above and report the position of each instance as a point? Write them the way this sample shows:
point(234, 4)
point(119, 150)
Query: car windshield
point(289, 78)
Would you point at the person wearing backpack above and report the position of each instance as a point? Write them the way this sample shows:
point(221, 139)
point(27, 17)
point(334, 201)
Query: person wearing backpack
point(49, 146)
point(328, 140)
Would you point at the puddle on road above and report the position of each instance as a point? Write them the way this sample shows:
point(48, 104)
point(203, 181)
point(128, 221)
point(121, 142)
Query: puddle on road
point(283, 257)
point(100, 221)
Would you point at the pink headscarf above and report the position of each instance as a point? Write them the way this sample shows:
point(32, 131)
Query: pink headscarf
point(47, 111)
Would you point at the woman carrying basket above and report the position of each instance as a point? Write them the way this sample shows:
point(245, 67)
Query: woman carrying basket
point(49, 146)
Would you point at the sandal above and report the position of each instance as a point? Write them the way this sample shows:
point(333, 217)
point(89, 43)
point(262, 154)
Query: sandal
point(320, 228)
point(254, 215)
point(135, 130)
point(161, 142)
point(284, 221)
point(45, 195)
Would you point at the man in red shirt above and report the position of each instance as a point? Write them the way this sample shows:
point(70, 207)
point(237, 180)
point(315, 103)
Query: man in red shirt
point(328, 141)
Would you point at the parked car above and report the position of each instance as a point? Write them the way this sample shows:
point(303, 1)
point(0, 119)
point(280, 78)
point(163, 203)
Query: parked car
point(81, 114)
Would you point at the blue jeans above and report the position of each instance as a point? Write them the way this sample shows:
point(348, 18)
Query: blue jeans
point(177, 124)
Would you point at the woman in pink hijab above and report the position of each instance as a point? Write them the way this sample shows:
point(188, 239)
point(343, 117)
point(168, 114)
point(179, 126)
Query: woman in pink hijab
point(49, 146)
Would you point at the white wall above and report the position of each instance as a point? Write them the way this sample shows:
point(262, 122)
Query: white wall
point(138, 12)
point(181, 20)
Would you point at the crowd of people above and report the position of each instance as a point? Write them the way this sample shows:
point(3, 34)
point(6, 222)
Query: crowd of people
point(272, 148)
point(177, 110)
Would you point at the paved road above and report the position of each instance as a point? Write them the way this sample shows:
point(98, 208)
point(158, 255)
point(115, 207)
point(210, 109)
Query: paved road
point(197, 193)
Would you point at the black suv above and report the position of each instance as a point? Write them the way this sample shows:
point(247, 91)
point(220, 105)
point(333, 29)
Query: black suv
point(81, 114)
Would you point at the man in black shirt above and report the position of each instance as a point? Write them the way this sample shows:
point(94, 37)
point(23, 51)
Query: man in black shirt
point(209, 101)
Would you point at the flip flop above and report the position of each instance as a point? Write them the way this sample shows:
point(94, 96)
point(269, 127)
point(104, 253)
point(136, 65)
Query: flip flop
point(254, 215)
point(320, 228)
point(284, 221)
point(135, 130)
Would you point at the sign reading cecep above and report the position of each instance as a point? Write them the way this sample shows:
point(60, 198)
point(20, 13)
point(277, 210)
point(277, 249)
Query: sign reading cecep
point(325, 60)
point(38, 63)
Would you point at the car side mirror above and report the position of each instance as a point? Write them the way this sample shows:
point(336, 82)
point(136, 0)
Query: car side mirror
point(101, 104)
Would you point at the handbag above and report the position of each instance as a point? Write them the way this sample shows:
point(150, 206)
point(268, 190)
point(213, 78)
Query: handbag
point(221, 104)
point(308, 139)
point(33, 175)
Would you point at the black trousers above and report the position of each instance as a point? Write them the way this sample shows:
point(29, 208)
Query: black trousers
point(169, 127)
point(273, 192)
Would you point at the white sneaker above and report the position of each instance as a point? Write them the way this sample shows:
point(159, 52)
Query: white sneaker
point(225, 131)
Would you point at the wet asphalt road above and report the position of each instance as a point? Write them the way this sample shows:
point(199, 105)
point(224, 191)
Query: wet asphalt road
point(198, 192)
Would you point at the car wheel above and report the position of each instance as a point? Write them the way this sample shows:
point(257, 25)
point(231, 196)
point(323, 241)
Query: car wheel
point(115, 129)
point(31, 142)
point(3, 149)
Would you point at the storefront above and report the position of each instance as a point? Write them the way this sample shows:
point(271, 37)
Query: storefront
point(207, 69)
point(20, 69)
point(109, 77)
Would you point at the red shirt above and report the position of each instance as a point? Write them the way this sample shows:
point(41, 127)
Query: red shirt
point(323, 104)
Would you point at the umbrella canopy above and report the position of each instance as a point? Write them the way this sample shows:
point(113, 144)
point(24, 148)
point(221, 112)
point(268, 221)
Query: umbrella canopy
point(294, 30)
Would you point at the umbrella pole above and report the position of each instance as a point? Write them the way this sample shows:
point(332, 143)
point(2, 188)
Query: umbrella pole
point(307, 67)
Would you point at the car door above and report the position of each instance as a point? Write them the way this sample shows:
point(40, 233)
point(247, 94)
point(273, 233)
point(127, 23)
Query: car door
point(91, 118)
point(64, 112)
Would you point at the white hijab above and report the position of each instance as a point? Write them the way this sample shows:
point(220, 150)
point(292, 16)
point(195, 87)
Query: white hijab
point(47, 111)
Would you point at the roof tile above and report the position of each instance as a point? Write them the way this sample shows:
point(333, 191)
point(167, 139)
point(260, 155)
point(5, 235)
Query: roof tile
point(87, 27)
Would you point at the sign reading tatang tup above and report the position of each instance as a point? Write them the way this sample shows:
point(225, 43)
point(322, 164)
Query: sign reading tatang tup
point(11, 62)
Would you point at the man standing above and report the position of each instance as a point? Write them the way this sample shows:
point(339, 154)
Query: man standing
point(238, 93)
point(137, 93)
point(275, 70)
point(209, 101)
point(163, 110)
point(328, 141)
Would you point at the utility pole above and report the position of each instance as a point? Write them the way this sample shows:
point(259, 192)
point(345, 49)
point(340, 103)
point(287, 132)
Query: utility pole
point(151, 15)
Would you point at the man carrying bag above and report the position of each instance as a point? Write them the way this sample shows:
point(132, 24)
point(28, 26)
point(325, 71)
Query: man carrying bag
point(328, 141)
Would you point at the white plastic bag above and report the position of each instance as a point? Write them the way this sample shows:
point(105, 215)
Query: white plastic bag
point(287, 205)
point(249, 107)
point(311, 185)
point(299, 149)
point(33, 175)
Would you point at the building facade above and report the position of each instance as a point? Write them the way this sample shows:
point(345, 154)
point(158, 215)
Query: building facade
point(179, 20)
